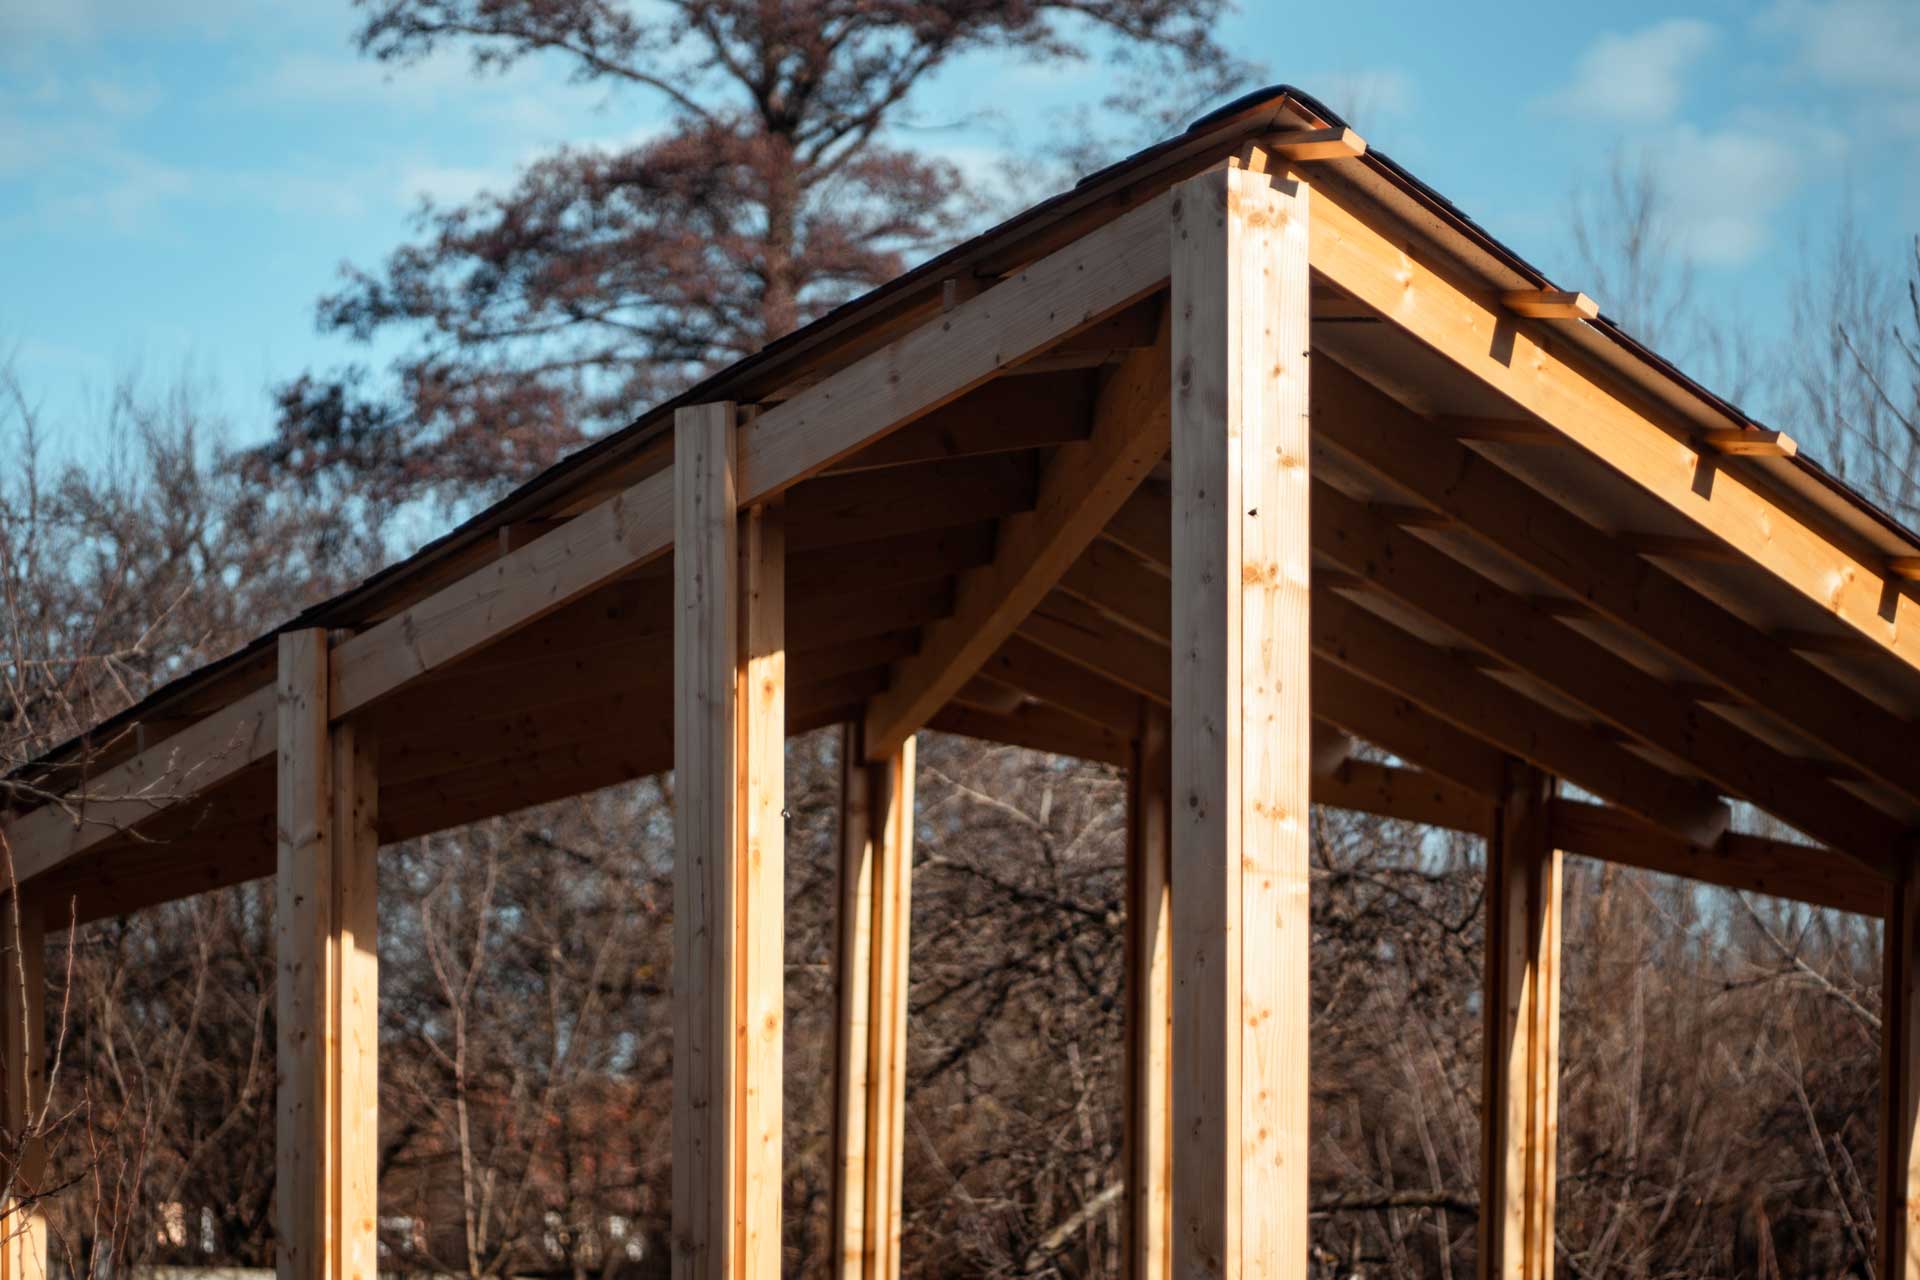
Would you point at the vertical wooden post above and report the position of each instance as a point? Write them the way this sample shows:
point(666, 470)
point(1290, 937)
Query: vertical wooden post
point(1899, 1243)
point(327, 982)
point(729, 861)
point(1520, 1107)
point(1240, 726)
point(870, 967)
point(1149, 1077)
point(23, 1004)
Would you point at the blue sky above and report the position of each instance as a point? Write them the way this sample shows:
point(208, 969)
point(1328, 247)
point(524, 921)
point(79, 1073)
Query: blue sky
point(179, 182)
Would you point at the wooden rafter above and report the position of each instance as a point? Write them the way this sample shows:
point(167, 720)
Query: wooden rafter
point(1084, 485)
point(1605, 684)
point(1359, 250)
point(1381, 435)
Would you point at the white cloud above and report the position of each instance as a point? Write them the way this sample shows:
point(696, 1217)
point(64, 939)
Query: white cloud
point(1852, 44)
point(1724, 186)
point(1635, 79)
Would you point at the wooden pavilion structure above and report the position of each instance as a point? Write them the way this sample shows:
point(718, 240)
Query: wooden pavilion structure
point(1244, 450)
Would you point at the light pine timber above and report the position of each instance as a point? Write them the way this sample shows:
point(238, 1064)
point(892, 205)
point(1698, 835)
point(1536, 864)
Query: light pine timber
point(1519, 1108)
point(1070, 289)
point(1084, 484)
point(23, 1251)
point(166, 774)
point(1360, 251)
point(875, 912)
point(1392, 442)
point(1899, 1208)
point(1108, 269)
point(1149, 1029)
point(327, 979)
point(1240, 726)
point(729, 736)
point(1591, 674)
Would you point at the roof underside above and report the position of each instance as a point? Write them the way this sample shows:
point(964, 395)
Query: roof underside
point(877, 545)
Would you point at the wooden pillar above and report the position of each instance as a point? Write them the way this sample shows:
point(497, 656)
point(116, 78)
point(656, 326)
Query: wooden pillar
point(1900, 1098)
point(728, 876)
point(1149, 1059)
point(1520, 1108)
point(1240, 726)
point(870, 970)
point(326, 1159)
point(23, 1004)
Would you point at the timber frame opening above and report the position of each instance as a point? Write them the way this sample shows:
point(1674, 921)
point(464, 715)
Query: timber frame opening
point(1246, 454)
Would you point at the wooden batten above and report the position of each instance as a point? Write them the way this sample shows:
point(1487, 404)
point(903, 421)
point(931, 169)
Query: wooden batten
point(870, 992)
point(1750, 442)
point(1240, 726)
point(1315, 144)
point(1898, 1240)
point(327, 978)
point(1550, 304)
point(729, 858)
point(1519, 1100)
point(1149, 1024)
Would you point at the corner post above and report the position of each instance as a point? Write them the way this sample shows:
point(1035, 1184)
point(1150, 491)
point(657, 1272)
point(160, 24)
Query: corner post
point(23, 1003)
point(1149, 1077)
point(1240, 731)
point(327, 979)
point(1521, 1053)
point(870, 972)
point(1899, 1242)
point(729, 860)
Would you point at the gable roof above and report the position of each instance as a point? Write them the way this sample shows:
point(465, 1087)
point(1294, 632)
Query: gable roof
point(863, 323)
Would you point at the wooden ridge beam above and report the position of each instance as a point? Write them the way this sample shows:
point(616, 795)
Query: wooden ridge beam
point(1550, 304)
point(1083, 486)
point(1370, 428)
point(1594, 676)
point(1361, 251)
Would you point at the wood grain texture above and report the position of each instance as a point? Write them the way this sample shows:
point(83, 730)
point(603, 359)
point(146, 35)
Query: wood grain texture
point(729, 860)
point(870, 968)
point(1084, 484)
point(327, 978)
point(1240, 729)
point(1521, 1004)
point(1539, 372)
point(1149, 1029)
point(1898, 1242)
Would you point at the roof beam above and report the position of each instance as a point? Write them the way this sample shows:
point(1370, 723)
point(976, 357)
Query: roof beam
point(1377, 432)
point(1369, 646)
point(1550, 304)
point(1752, 864)
point(1594, 676)
point(1084, 484)
point(167, 774)
point(1363, 252)
point(1070, 289)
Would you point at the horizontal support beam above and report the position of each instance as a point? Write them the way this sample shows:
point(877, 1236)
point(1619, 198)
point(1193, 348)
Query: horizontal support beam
point(1550, 304)
point(1751, 864)
point(178, 768)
